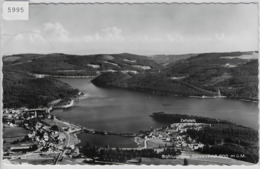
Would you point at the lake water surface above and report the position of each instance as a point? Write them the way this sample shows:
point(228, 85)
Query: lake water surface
point(128, 111)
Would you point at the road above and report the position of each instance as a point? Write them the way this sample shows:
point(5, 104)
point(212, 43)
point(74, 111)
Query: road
point(145, 143)
point(66, 144)
point(67, 140)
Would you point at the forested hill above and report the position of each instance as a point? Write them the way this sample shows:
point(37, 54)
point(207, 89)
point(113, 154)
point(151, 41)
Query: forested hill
point(221, 137)
point(235, 75)
point(166, 60)
point(79, 65)
point(22, 90)
point(23, 87)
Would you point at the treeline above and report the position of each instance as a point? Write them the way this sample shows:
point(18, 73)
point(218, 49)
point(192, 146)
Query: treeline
point(176, 118)
point(236, 141)
point(203, 74)
point(154, 83)
point(123, 155)
point(200, 78)
point(75, 65)
point(235, 78)
point(22, 90)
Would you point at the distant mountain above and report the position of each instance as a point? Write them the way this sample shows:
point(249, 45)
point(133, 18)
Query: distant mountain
point(234, 75)
point(89, 65)
point(169, 59)
point(23, 87)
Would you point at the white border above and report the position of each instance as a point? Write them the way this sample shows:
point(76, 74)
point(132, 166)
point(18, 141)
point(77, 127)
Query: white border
point(142, 1)
point(8, 166)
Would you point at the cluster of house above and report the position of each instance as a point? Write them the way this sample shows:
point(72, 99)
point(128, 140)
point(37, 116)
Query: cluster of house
point(16, 117)
point(72, 151)
point(175, 133)
point(12, 117)
point(160, 134)
point(182, 140)
point(47, 138)
point(168, 156)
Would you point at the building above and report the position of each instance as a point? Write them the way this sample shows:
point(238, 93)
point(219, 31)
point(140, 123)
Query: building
point(46, 136)
point(21, 148)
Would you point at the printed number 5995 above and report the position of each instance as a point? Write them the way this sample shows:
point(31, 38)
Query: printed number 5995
point(15, 9)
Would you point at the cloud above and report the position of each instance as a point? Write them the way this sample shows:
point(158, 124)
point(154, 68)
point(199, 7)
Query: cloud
point(27, 42)
point(55, 31)
point(48, 32)
point(112, 34)
point(175, 37)
point(31, 37)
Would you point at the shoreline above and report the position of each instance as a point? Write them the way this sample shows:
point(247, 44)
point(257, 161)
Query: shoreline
point(71, 124)
point(222, 97)
point(63, 76)
point(71, 103)
point(73, 134)
point(77, 129)
point(208, 97)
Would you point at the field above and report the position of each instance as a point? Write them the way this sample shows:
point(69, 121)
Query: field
point(35, 158)
point(155, 143)
point(11, 134)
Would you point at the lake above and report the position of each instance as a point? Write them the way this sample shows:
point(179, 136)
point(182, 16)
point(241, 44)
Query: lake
point(121, 110)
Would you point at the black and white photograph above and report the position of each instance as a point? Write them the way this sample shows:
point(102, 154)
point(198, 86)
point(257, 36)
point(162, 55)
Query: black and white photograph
point(131, 84)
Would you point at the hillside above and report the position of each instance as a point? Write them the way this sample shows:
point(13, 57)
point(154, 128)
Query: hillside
point(165, 60)
point(22, 86)
point(77, 65)
point(235, 75)
point(221, 137)
point(22, 90)
point(155, 83)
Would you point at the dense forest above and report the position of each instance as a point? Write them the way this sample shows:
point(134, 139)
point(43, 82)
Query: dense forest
point(233, 74)
point(220, 138)
point(22, 90)
point(123, 155)
point(82, 65)
point(152, 83)
point(176, 118)
point(236, 141)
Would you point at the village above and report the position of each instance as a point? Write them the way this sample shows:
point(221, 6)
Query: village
point(173, 135)
point(36, 136)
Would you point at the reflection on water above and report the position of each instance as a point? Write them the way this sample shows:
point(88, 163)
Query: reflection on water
point(107, 140)
point(127, 111)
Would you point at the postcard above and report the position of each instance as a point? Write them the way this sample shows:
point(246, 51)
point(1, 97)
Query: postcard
point(130, 83)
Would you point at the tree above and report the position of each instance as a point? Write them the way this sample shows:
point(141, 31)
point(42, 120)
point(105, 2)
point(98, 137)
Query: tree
point(55, 128)
point(140, 160)
point(185, 162)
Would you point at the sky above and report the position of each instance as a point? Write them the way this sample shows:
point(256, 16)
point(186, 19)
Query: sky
point(145, 29)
